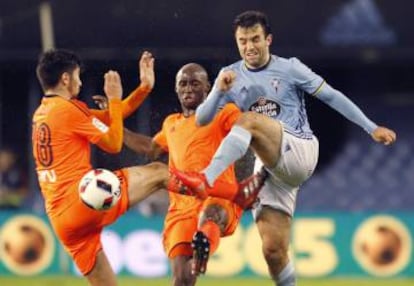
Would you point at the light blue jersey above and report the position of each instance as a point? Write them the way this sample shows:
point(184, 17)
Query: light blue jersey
point(278, 90)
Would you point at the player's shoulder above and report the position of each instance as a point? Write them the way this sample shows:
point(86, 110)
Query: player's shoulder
point(171, 118)
point(297, 64)
point(286, 62)
point(73, 107)
point(78, 106)
point(295, 67)
point(234, 66)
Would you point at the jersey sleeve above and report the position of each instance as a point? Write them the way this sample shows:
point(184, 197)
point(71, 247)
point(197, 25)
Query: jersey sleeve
point(304, 77)
point(210, 107)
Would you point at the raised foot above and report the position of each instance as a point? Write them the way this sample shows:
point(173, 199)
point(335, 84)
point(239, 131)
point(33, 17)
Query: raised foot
point(188, 183)
point(201, 253)
point(249, 189)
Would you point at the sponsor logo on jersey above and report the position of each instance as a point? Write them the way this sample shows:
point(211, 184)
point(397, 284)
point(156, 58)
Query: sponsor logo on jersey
point(266, 107)
point(100, 125)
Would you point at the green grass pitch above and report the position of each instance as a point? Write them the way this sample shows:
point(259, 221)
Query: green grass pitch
point(203, 281)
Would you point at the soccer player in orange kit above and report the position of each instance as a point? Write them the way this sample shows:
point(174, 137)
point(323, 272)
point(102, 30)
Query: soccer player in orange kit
point(63, 128)
point(193, 227)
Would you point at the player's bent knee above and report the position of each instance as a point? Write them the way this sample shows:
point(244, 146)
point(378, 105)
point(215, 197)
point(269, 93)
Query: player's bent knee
point(275, 254)
point(249, 120)
point(258, 124)
point(273, 250)
point(215, 213)
point(159, 170)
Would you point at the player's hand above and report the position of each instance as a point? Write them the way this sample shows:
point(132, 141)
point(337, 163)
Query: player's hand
point(112, 85)
point(384, 135)
point(146, 70)
point(225, 80)
point(101, 101)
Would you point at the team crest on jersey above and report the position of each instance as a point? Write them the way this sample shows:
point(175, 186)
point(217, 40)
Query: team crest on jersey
point(266, 107)
point(100, 125)
point(275, 83)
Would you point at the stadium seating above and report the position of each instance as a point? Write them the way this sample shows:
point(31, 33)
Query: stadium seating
point(363, 177)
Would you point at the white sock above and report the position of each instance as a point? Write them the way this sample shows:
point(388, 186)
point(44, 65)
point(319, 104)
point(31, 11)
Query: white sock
point(287, 277)
point(232, 148)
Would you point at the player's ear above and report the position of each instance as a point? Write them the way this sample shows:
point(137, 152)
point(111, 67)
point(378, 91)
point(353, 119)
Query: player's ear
point(65, 78)
point(269, 39)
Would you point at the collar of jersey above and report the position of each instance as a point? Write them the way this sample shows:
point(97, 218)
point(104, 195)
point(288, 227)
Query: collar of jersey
point(261, 68)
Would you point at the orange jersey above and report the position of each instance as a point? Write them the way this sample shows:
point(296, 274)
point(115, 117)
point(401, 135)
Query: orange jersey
point(191, 147)
point(62, 133)
point(62, 130)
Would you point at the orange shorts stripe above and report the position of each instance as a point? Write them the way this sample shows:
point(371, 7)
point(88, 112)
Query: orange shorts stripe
point(79, 227)
point(183, 249)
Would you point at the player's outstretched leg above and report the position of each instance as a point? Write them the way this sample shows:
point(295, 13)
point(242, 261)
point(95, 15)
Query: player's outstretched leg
point(201, 253)
point(244, 194)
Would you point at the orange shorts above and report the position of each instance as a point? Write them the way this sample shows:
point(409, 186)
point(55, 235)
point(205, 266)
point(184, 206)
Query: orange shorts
point(180, 225)
point(79, 227)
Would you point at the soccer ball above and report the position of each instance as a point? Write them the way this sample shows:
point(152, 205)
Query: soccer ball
point(100, 189)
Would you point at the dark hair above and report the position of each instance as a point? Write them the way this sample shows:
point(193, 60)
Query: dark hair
point(53, 63)
point(248, 19)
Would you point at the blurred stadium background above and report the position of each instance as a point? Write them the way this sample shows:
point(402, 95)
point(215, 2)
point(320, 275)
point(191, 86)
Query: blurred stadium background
point(355, 217)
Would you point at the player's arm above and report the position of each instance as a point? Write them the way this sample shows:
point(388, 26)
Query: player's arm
point(142, 144)
point(139, 94)
point(313, 84)
point(338, 101)
point(147, 78)
point(111, 141)
point(139, 143)
point(216, 98)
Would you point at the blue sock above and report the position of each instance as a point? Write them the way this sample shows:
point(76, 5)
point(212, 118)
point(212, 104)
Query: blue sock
point(287, 277)
point(232, 148)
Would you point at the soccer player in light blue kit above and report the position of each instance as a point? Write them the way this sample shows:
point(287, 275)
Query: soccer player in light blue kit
point(271, 91)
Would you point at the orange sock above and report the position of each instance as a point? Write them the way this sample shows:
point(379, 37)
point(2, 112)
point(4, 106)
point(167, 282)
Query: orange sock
point(224, 190)
point(212, 231)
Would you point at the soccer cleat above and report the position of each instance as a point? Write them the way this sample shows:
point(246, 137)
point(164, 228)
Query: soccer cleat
point(201, 253)
point(176, 186)
point(249, 189)
point(192, 183)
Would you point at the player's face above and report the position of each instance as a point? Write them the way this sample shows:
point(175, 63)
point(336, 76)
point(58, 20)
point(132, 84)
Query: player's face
point(75, 83)
point(191, 88)
point(253, 45)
